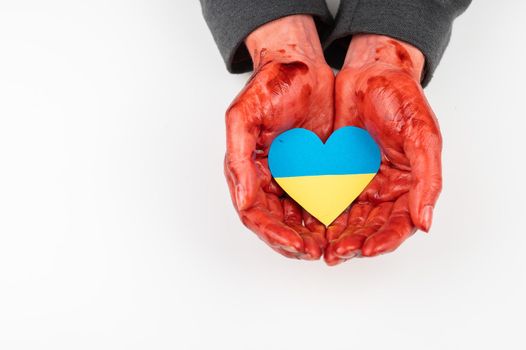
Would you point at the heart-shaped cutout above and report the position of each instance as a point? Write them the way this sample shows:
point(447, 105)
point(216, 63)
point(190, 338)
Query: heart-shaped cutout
point(324, 178)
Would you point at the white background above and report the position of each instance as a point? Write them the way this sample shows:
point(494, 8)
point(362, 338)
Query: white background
point(117, 231)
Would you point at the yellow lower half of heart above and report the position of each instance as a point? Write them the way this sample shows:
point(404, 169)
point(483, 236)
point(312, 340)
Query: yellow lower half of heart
point(325, 196)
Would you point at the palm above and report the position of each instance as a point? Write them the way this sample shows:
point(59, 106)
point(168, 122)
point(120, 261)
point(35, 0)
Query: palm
point(279, 96)
point(390, 104)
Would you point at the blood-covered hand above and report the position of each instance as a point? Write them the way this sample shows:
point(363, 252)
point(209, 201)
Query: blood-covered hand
point(292, 86)
point(379, 89)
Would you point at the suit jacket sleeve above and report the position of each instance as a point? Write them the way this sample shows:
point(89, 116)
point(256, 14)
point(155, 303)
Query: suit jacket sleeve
point(231, 21)
point(425, 24)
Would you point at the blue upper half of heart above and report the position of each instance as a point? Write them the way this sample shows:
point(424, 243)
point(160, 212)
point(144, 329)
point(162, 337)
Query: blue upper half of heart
point(299, 152)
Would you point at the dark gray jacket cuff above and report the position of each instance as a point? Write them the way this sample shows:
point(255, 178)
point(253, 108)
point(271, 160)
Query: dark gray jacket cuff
point(231, 21)
point(425, 24)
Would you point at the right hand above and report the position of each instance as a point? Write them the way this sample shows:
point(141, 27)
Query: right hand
point(291, 87)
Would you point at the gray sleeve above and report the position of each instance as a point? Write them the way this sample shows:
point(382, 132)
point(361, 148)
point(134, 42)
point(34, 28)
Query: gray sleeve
point(230, 21)
point(426, 24)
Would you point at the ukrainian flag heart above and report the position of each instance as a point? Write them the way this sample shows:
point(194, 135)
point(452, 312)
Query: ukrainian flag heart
point(324, 178)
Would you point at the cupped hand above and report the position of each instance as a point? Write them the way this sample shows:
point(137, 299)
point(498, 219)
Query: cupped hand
point(292, 86)
point(379, 89)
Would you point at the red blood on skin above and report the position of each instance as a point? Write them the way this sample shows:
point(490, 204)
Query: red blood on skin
point(382, 93)
point(285, 75)
point(283, 93)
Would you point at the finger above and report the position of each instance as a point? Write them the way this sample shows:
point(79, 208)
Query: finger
point(275, 206)
point(334, 254)
point(271, 230)
point(367, 221)
point(268, 184)
point(359, 214)
point(393, 232)
point(273, 187)
point(293, 218)
point(389, 184)
point(355, 217)
point(330, 257)
point(291, 212)
point(424, 154)
point(315, 227)
point(285, 253)
point(313, 251)
point(349, 243)
point(239, 161)
point(336, 228)
point(230, 183)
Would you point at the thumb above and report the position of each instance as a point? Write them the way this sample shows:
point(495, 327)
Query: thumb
point(424, 153)
point(240, 167)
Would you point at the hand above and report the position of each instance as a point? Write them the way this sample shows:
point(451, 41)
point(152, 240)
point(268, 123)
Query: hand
point(292, 86)
point(379, 89)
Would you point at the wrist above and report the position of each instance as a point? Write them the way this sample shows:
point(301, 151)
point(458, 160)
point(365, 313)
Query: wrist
point(288, 37)
point(365, 49)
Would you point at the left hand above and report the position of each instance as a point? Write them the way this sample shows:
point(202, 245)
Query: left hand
point(378, 89)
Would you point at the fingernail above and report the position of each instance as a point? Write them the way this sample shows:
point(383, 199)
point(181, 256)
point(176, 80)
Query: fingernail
point(427, 217)
point(290, 249)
